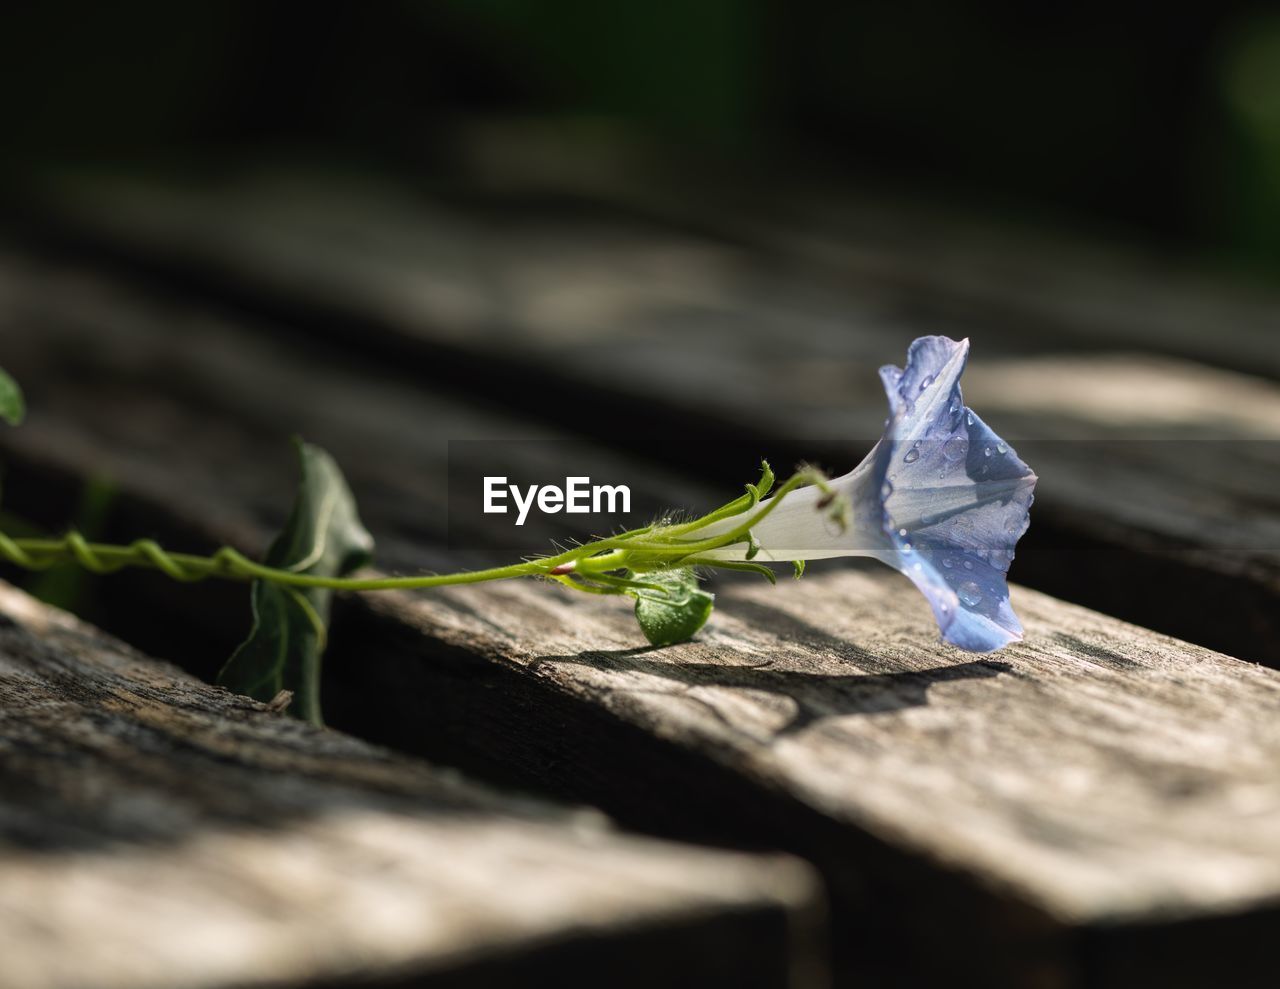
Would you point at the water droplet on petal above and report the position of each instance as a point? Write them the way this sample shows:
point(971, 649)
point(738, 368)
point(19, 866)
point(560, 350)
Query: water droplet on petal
point(906, 547)
point(946, 562)
point(969, 592)
point(968, 564)
point(1001, 448)
point(986, 451)
point(902, 532)
point(969, 418)
point(918, 567)
point(926, 381)
point(943, 607)
point(955, 448)
point(912, 456)
point(886, 489)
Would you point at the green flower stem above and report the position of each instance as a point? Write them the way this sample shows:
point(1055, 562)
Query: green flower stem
point(742, 532)
point(591, 567)
point(743, 503)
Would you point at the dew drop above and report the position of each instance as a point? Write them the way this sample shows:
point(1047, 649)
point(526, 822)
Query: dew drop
point(902, 532)
point(969, 592)
point(946, 562)
point(1001, 448)
point(886, 489)
point(969, 418)
point(986, 451)
point(943, 607)
point(926, 381)
point(955, 448)
point(912, 456)
point(918, 567)
point(906, 547)
point(968, 564)
point(942, 473)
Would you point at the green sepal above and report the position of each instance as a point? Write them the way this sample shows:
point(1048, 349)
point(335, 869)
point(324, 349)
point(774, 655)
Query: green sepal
point(677, 614)
point(765, 484)
point(324, 537)
point(798, 566)
point(762, 487)
point(12, 407)
point(757, 568)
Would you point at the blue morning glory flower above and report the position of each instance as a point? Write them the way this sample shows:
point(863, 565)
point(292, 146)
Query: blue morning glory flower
point(940, 498)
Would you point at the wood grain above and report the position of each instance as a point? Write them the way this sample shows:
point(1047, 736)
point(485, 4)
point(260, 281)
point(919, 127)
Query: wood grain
point(1096, 769)
point(1041, 814)
point(132, 384)
point(1095, 798)
point(1025, 278)
point(158, 832)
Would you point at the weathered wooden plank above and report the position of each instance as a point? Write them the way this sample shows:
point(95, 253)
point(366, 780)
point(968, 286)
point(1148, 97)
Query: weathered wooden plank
point(108, 368)
point(1095, 779)
point(1157, 475)
point(1099, 289)
point(1095, 795)
point(158, 832)
point(1096, 785)
point(1102, 771)
point(674, 234)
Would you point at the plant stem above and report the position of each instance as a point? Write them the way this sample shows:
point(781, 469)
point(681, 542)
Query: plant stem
point(649, 548)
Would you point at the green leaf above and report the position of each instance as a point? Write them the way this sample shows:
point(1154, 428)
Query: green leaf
point(323, 537)
point(676, 615)
point(765, 484)
point(12, 407)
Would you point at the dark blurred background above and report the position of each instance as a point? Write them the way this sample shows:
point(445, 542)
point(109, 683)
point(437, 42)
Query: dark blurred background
point(1160, 123)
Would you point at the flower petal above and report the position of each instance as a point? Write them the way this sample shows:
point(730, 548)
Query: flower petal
point(941, 498)
point(953, 497)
